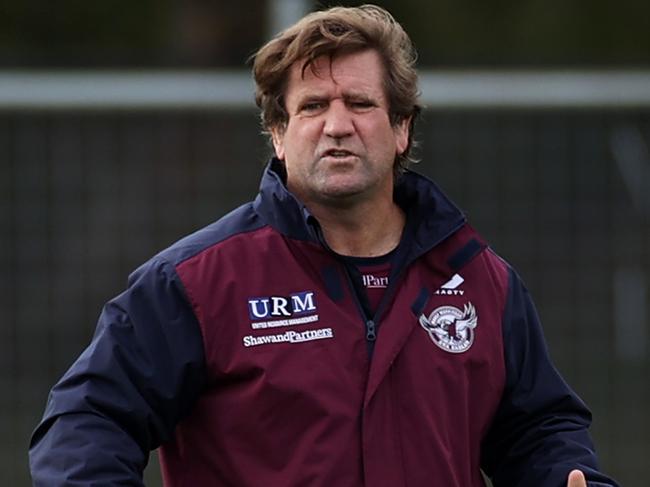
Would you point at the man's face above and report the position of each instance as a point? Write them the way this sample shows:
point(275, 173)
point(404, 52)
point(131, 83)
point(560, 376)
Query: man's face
point(339, 145)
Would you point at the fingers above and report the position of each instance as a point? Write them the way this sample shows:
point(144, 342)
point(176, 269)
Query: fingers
point(576, 479)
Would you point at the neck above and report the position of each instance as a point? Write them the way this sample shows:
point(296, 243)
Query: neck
point(367, 229)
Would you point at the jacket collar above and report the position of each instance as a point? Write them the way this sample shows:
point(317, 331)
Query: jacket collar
point(431, 215)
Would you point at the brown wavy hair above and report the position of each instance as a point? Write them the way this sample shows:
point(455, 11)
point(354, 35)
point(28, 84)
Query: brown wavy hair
point(340, 30)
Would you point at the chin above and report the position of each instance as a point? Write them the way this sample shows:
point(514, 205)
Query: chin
point(343, 187)
point(343, 195)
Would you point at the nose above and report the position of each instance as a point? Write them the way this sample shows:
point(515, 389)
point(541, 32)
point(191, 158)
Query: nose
point(338, 120)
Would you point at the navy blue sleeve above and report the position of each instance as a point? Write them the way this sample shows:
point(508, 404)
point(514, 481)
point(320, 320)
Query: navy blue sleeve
point(126, 392)
point(540, 431)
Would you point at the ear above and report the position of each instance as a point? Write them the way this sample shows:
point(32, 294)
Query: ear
point(277, 137)
point(402, 129)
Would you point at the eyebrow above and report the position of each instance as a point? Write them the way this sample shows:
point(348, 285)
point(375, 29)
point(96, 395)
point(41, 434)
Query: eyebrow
point(354, 95)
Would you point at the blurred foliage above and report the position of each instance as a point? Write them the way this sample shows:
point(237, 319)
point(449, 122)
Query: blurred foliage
point(77, 32)
point(210, 33)
point(528, 32)
point(122, 33)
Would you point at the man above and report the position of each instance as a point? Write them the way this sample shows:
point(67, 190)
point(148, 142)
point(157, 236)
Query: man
point(346, 328)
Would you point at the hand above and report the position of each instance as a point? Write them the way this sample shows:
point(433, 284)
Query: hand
point(576, 479)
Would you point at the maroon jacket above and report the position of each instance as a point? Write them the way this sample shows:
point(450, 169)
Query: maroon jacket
point(245, 353)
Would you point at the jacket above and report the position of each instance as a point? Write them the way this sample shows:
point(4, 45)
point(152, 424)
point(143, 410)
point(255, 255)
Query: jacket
point(244, 353)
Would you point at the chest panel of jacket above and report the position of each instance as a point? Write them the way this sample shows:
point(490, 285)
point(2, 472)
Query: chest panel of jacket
point(290, 380)
point(438, 399)
point(287, 362)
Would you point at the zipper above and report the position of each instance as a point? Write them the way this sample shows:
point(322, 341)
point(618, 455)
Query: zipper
point(370, 324)
point(371, 331)
point(394, 280)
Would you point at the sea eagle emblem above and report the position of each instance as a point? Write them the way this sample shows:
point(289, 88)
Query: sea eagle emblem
point(450, 328)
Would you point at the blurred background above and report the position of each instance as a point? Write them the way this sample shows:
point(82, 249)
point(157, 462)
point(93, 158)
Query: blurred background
point(126, 125)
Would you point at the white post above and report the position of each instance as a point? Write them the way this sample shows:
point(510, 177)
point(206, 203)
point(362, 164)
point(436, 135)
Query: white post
point(283, 13)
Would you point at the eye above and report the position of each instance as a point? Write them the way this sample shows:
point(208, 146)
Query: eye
point(312, 107)
point(361, 105)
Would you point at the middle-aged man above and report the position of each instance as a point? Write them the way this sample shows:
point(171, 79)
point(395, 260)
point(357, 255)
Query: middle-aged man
point(346, 328)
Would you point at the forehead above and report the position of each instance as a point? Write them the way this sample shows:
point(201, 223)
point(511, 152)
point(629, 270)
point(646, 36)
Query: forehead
point(361, 71)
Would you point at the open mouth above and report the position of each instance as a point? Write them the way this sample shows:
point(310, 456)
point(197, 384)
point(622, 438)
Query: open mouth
point(338, 153)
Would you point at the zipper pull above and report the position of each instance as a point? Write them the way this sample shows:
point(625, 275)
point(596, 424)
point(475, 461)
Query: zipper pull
point(371, 331)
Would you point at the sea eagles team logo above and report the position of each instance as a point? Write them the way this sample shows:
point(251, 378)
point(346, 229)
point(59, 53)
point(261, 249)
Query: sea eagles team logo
point(450, 328)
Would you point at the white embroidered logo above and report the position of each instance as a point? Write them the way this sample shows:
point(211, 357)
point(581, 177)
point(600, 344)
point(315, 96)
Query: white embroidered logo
point(289, 337)
point(450, 328)
point(373, 282)
point(450, 288)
